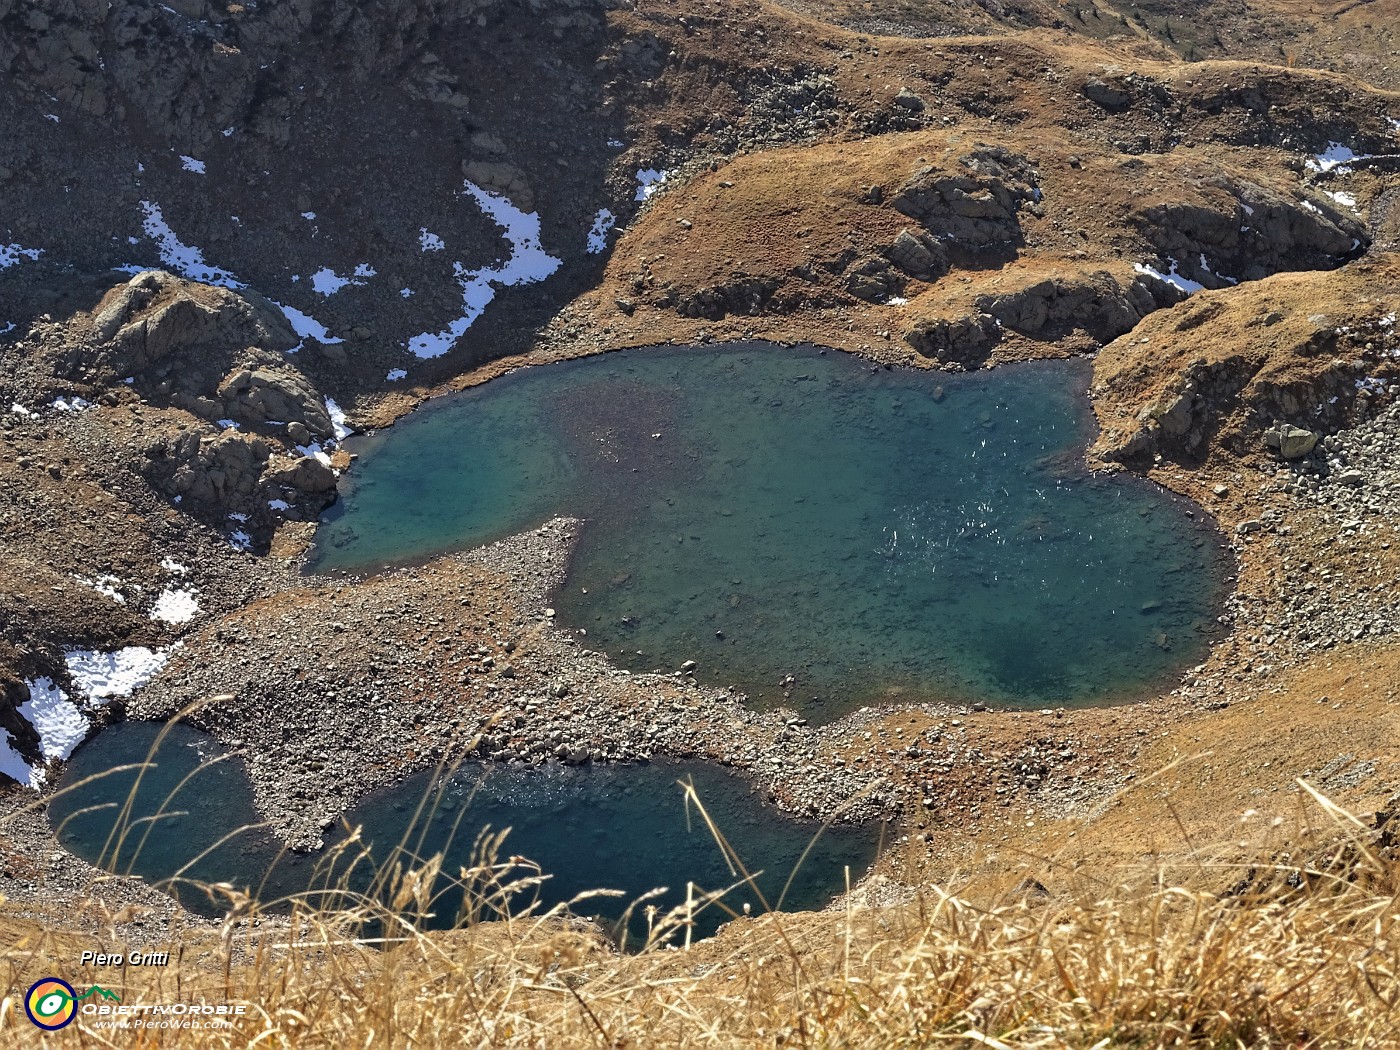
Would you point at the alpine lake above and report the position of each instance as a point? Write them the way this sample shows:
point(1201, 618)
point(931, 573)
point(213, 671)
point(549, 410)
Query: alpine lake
point(815, 531)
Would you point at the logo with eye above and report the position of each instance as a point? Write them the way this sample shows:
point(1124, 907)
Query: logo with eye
point(51, 1003)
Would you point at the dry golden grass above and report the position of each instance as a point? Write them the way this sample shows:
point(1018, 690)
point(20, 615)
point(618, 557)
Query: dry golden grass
point(1284, 950)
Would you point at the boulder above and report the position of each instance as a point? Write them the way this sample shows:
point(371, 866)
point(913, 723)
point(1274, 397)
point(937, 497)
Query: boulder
point(1111, 96)
point(1290, 441)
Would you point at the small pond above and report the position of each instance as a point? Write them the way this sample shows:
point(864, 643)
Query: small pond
point(618, 827)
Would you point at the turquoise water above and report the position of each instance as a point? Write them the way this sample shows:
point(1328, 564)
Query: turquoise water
point(588, 828)
point(769, 512)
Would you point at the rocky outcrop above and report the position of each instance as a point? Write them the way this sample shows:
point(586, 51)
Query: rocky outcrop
point(1236, 230)
point(919, 254)
point(1099, 306)
point(964, 342)
point(975, 205)
point(1094, 303)
point(742, 295)
point(214, 476)
point(274, 393)
point(215, 353)
point(1274, 368)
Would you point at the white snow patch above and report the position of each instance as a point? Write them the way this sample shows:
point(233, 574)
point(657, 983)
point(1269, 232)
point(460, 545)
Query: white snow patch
point(20, 410)
point(10, 327)
point(306, 326)
point(184, 259)
point(1346, 200)
point(190, 164)
point(395, 374)
point(598, 235)
point(59, 722)
point(240, 540)
point(1171, 277)
point(309, 216)
point(172, 566)
point(228, 424)
point(316, 452)
point(338, 421)
point(429, 242)
point(528, 263)
point(175, 605)
point(278, 504)
point(897, 300)
point(1205, 265)
point(101, 676)
point(11, 254)
point(188, 261)
point(327, 282)
point(72, 404)
point(1334, 156)
point(649, 180)
point(105, 584)
point(407, 293)
point(13, 765)
point(227, 132)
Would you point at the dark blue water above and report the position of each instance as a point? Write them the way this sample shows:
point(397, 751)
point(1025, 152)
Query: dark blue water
point(874, 534)
point(625, 828)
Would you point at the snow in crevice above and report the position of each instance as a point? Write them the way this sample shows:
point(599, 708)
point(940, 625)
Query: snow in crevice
point(188, 261)
point(528, 263)
point(306, 327)
point(1339, 158)
point(339, 423)
point(62, 722)
point(1205, 266)
point(13, 765)
point(184, 259)
point(1346, 200)
point(240, 540)
point(191, 164)
point(598, 235)
point(100, 676)
point(13, 254)
point(649, 180)
point(1171, 277)
point(1334, 156)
